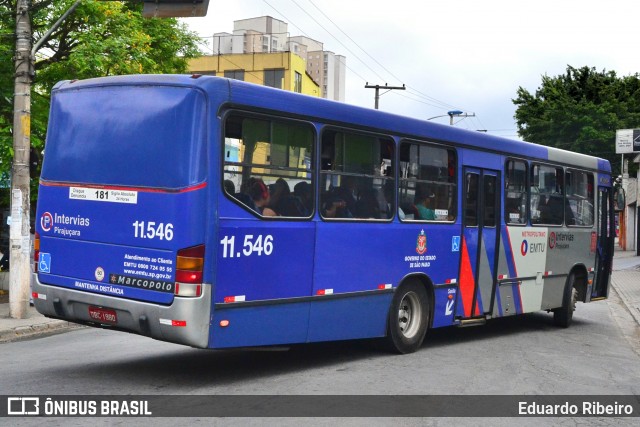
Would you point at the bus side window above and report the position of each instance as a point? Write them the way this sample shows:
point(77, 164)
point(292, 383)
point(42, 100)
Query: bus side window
point(515, 203)
point(547, 195)
point(276, 152)
point(427, 182)
point(357, 173)
point(579, 207)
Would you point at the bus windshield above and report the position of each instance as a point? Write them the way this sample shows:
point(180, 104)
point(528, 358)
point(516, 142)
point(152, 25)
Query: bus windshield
point(146, 137)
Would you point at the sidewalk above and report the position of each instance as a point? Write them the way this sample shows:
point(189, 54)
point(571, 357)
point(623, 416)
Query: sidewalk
point(33, 326)
point(625, 280)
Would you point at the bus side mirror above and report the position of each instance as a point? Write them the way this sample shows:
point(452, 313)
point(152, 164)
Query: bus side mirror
point(619, 200)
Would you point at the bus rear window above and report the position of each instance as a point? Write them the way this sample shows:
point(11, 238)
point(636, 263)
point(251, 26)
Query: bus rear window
point(142, 136)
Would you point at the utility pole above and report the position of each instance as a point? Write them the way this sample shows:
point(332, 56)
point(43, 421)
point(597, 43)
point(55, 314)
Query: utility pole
point(453, 114)
point(378, 87)
point(19, 236)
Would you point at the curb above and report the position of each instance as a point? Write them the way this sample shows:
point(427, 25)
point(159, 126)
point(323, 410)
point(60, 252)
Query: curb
point(38, 330)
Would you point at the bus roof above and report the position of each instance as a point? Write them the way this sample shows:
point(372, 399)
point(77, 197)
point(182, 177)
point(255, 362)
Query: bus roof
point(297, 105)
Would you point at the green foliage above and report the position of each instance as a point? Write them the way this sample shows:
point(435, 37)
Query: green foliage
point(580, 111)
point(98, 39)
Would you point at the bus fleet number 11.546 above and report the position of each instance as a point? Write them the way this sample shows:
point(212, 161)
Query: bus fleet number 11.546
point(261, 245)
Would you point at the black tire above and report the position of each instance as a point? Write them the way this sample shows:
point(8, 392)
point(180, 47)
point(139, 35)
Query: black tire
point(408, 318)
point(564, 315)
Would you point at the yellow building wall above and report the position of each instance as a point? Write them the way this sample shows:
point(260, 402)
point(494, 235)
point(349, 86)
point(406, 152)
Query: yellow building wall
point(254, 65)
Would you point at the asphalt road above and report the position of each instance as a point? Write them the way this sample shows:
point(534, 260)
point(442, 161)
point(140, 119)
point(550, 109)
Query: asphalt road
point(598, 354)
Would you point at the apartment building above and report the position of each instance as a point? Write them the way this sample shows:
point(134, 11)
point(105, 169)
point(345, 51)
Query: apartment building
point(266, 35)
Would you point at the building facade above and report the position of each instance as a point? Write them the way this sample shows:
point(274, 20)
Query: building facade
point(283, 70)
point(267, 35)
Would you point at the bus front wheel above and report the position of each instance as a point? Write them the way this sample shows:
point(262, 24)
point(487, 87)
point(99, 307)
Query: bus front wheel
point(564, 315)
point(408, 318)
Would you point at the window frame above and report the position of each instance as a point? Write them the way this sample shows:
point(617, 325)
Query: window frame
point(270, 75)
point(455, 182)
point(249, 114)
point(531, 181)
point(321, 173)
point(593, 199)
point(233, 74)
point(526, 192)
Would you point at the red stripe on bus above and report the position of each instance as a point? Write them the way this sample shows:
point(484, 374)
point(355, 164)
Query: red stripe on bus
point(467, 282)
point(117, 188)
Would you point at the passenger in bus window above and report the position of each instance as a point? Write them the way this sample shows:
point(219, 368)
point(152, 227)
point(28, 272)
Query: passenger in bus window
point(279, 196)
point(244, 194)
point(348, 192)
point(388, 200)
point(332, 206)
point(551, 210)
point(424, 205)
point(302, 191)
point(229, 187)
point(260, 195)
point(367, 205)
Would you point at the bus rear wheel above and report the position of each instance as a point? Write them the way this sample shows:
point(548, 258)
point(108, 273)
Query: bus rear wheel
point(408, 318)
point(563, 316)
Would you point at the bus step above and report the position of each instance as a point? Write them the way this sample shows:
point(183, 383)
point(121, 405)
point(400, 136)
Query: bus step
point(598, 299)
point(477, 321)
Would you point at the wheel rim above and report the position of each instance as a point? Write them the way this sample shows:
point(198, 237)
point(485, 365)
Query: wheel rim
point(409, 315)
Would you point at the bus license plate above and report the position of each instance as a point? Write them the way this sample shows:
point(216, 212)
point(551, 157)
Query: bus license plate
point(103, 315)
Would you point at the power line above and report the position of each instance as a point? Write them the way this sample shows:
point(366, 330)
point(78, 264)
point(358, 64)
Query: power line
point(422, 97)
point(416, 92)
point(306, 35)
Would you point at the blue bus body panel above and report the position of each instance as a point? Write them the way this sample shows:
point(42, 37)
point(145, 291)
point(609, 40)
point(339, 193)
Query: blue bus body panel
point(349, 318)
point(260, 325)
point(146, 136)
point(270, 260)
point(80, 238)
point(123, 186)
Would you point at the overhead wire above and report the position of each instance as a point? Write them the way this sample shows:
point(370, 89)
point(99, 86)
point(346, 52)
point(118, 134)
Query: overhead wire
point(428, 100)
point(411, 93)
point(306, 35)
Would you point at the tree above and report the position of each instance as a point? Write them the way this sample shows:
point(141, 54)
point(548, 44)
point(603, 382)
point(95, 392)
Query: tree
point(580, 111)
point(98, 39)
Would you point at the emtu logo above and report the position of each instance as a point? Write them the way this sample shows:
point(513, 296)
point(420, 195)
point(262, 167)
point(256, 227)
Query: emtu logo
point(46, 221)
point(524, 248)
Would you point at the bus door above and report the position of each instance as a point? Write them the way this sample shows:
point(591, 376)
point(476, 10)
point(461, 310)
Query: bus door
point(603, 244)
point(481, 215)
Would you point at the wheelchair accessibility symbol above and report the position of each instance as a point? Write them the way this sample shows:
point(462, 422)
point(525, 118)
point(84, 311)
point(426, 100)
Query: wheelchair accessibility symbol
point(44, 263)
point(455, 244)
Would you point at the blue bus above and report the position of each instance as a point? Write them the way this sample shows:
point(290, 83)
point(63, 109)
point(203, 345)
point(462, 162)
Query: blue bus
point(217, 214)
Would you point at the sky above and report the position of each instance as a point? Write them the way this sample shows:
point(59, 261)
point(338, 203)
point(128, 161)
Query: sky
point(467, 55)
